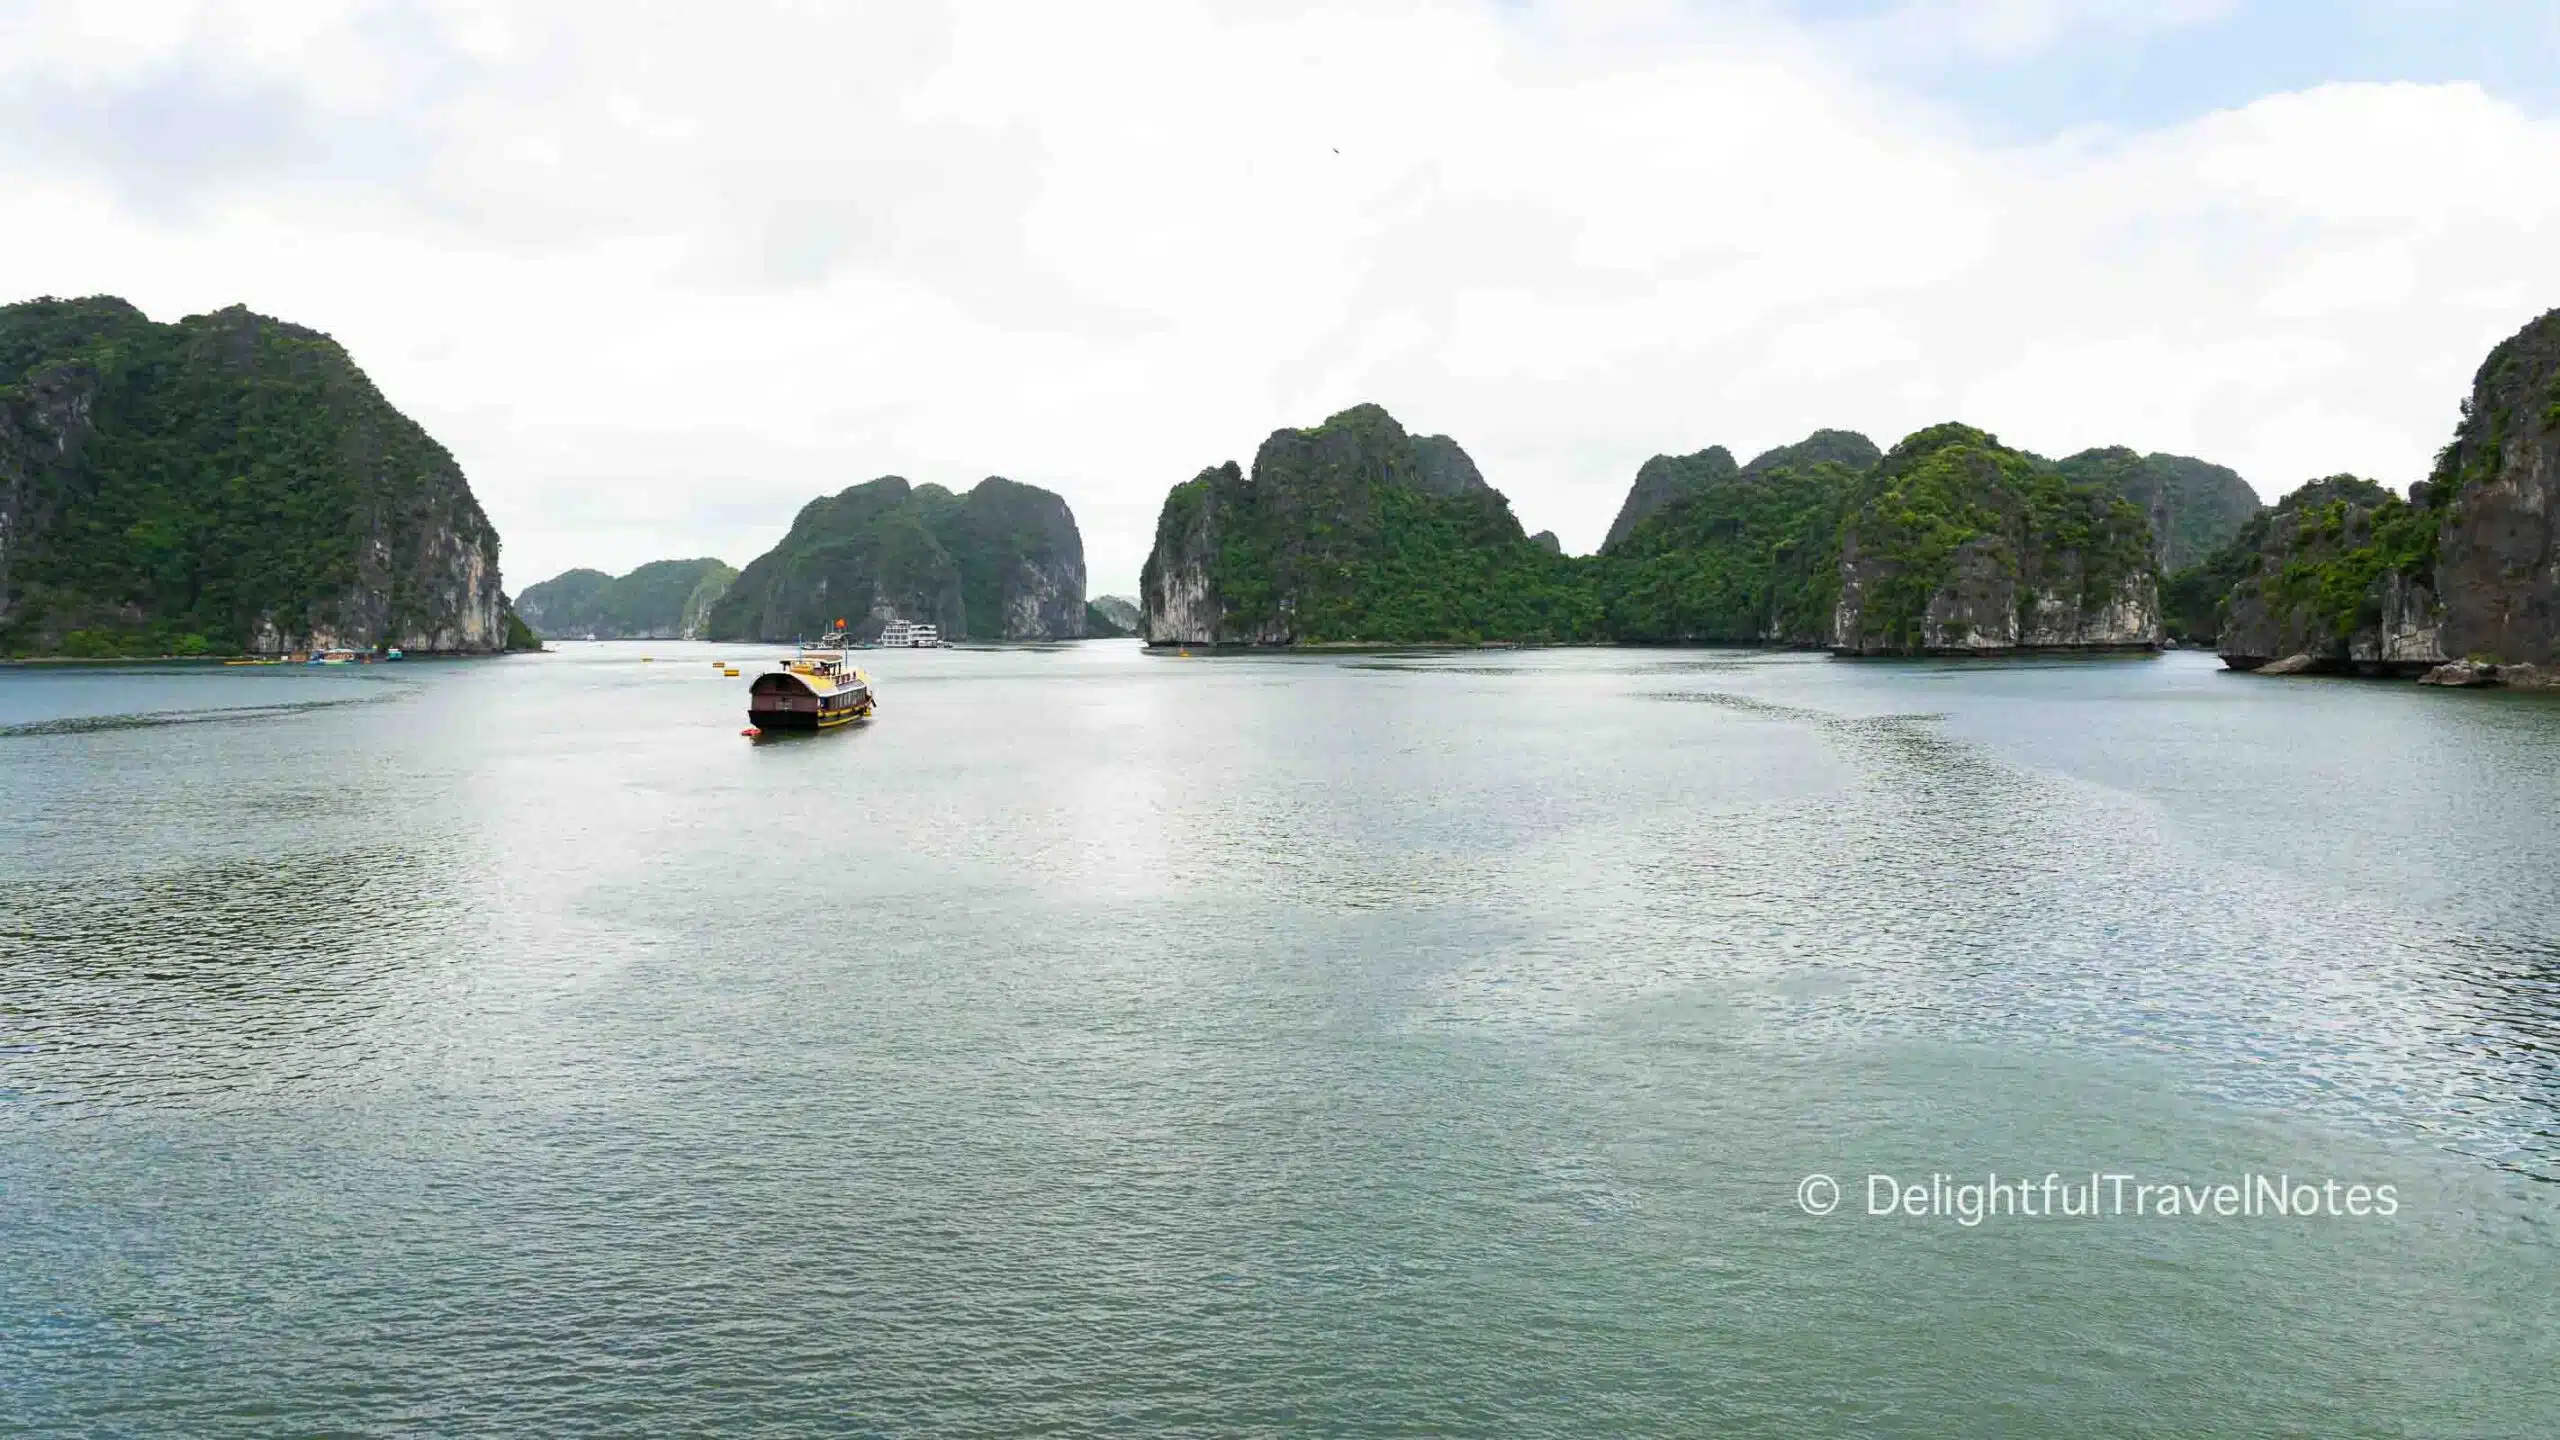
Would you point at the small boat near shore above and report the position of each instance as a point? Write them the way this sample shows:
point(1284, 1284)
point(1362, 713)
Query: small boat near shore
point(817, 689)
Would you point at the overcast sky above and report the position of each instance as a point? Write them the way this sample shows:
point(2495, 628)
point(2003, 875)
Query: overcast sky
point(659, 274)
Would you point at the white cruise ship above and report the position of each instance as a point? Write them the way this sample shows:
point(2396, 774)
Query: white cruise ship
point(905, 635)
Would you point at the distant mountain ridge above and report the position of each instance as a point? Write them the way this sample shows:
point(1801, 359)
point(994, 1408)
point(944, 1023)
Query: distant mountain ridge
point(1112, 617)
point(2194, 508)
point(1663, 479)
point(662, 600)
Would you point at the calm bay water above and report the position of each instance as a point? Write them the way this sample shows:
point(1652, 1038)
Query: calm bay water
point(1349, 1044)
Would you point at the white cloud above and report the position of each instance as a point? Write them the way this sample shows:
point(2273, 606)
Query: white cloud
point(1939, 32)
point(659, 277)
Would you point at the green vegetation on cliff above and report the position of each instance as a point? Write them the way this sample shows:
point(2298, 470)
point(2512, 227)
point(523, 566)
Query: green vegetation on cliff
point(2343, 543)
point(2195, 508)
point(2324, 565)
point(662, 600)
point(1956, 536)
point(1953, 542)
point(1665, 480)
point(2343, 574)
point(1736, 556)
point(1003, 562)
point(1454, 568)
point(847, 554)
point(2192, 601)
point(1121, 611)
point(1016, 546)
point(1846, 449)
point(2515, 396)
point(223, 483)
point(1354, 532)
point(1112, 617)
point(1745, 558)
point(2496, 489)
point(1662, 480)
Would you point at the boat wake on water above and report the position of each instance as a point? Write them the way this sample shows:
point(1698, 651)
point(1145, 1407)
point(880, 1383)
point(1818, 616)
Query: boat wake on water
point(92, 724)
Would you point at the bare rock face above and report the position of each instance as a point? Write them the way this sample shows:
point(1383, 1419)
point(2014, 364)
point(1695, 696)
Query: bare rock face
point(1442, 468)
point(2472, 674)
point(1180, 589)
point(2497, 570)
point(1981, 607)
point(2461, 673)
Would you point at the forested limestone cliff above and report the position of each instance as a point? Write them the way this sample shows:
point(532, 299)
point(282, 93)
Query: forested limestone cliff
point(2463, 576)
point(225, 483)
point(1003, 562)
point(1354, 532)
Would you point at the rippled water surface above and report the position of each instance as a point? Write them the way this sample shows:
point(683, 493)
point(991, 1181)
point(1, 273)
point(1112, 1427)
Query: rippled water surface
point(1338, 1044)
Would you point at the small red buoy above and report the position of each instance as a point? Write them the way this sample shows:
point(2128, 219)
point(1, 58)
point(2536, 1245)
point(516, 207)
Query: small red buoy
point(751, 732)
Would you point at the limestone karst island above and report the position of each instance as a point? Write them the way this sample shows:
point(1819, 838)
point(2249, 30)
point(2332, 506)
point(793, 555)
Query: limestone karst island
point(1948, 544)
point(231, 484)
point(225, 484)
